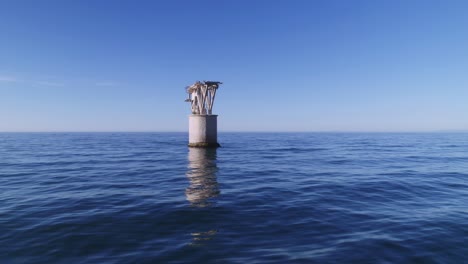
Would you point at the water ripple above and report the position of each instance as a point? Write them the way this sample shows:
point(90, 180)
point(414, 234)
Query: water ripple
point(261, 198)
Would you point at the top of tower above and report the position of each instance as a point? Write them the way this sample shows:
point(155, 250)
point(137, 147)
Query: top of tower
point(210, 83)
point(201, 96)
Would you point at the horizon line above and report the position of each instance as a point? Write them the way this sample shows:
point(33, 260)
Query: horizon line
point(251, 131)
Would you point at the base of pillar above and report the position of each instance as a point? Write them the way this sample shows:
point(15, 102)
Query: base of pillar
point(204, 145)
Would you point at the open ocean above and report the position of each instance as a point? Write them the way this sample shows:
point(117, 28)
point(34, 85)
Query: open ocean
point(260, 198)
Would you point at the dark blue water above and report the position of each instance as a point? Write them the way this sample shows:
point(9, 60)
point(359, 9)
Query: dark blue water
point(261, 198)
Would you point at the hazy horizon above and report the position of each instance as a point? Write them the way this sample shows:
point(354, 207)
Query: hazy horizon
point(246, 131)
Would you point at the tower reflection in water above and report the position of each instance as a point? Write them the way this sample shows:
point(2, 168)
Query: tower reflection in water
point(203, 187)
point(201, 173)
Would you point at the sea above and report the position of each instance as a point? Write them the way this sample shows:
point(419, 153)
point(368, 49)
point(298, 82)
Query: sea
point(260, 198)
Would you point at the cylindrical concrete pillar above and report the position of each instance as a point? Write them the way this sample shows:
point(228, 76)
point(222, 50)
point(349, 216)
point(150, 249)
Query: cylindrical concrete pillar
point(203, 131)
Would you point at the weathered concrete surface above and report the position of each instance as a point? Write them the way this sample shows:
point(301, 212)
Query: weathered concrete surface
point(203, 131)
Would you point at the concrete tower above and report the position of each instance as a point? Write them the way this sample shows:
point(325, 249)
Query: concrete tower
point(203, 127)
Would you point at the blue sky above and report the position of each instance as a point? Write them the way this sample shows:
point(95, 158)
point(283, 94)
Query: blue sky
point(286, 65)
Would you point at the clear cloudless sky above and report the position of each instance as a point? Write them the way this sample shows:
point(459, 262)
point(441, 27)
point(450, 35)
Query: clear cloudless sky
point(76, 65)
